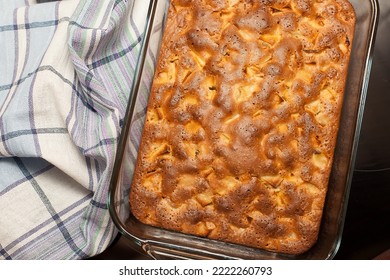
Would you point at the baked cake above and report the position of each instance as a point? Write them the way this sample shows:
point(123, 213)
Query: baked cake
point(242, 120)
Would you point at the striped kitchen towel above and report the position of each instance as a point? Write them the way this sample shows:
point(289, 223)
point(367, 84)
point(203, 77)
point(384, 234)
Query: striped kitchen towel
point(66, 69)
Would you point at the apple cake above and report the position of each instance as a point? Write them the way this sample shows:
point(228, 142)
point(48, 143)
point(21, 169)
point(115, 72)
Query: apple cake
point(242, 120)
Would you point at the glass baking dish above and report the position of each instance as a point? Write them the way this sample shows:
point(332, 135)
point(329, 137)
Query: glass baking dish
point(163, 244)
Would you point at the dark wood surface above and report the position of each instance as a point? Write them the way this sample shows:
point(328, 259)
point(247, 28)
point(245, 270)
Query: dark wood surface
point(367, 226)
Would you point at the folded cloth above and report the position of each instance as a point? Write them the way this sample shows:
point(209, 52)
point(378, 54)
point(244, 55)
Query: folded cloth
point(66, 70)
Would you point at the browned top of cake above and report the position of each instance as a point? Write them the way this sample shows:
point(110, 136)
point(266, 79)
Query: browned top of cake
point(242, 120)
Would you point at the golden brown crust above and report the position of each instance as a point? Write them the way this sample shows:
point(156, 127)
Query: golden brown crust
point(242, 120)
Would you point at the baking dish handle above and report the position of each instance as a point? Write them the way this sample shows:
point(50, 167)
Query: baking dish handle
point(164, 251)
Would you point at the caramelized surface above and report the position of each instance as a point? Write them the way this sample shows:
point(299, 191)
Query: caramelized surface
point(242, 120)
